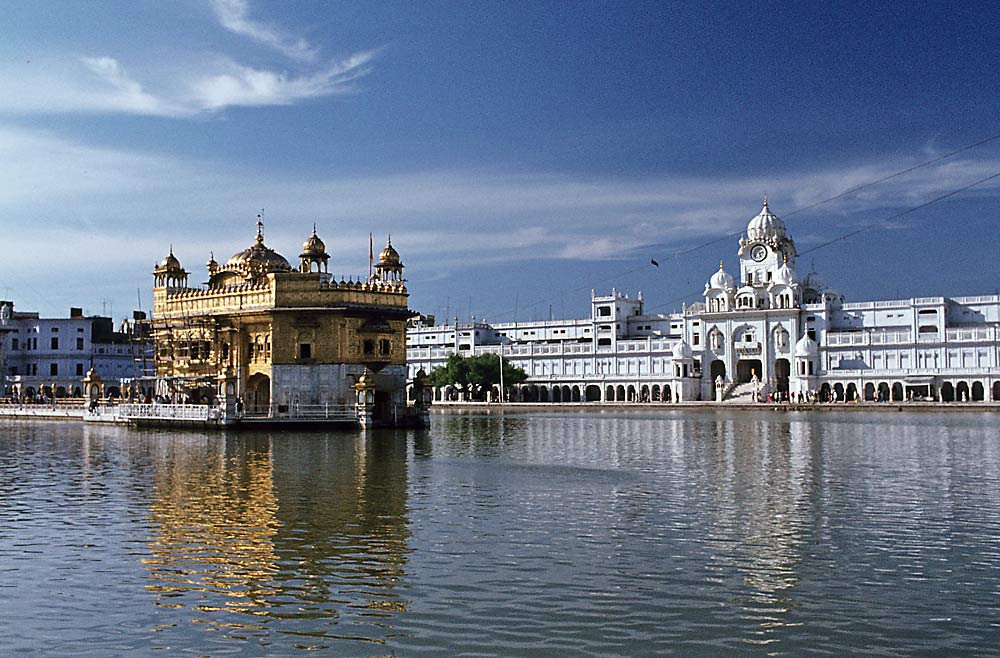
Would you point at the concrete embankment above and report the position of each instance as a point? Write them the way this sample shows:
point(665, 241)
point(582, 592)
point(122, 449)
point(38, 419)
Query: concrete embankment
point(42, 412)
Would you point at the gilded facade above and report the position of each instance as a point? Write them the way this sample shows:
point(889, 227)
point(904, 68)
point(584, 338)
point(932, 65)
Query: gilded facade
point(273, 339)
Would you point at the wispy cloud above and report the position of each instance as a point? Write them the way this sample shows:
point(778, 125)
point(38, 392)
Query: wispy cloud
point(439, 216)
point(194, 84)
point(234, 16)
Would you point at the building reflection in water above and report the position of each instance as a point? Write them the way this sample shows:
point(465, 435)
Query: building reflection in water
point(763, 488)
point(311, 530)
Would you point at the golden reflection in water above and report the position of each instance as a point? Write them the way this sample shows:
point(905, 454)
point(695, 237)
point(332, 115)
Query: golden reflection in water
point(213, 516)
point(762, 483)
point(308, 529)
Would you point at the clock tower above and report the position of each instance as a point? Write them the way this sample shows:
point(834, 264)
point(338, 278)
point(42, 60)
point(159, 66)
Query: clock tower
point(765, 249)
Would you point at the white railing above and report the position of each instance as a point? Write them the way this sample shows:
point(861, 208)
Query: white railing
point(209, 414)
point(304, 411)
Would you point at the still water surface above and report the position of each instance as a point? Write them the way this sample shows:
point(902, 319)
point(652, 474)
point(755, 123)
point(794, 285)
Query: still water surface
point(592, 534)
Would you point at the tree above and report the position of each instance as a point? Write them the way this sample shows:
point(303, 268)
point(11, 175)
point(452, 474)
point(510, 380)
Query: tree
point(475, 375)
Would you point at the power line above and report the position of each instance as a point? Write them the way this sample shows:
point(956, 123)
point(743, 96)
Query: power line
point(839, 195)
point(870, 226)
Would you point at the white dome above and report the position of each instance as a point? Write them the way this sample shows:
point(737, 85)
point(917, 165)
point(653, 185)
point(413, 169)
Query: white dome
point(682, 350)
point(806, 347)
point(785, 275)
point(721, 279)
point(765, 226)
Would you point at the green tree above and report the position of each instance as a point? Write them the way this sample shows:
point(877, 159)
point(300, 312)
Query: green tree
point(475, 375)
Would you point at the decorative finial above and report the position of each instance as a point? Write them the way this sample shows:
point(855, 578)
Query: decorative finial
point(784, 258)
point(171, 248)
point(314, 229)
point(765, 199)
point(389, 239)
point(260, 227)
point(720, 264)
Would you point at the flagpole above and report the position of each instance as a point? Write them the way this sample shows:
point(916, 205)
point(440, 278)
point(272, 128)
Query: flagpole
point(371, 256)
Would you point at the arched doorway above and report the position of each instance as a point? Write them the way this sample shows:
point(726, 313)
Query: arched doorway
point(962, 392)
point(576, 394)
point(883, 392)
point(556, 394)
point(996, 391)
point(747, 368)
point(824, 393)
point(644, 393)
point(258, 394)
point(656, 393)
point(897, 392)
point(852, 392)
point(947, 392)
point(593, 393)
point(609, 393)
point(978, 392)
point(620, 393)
point(838, 392)
point(630, 396)
point(869, 392)
point(782, 369)
point(566, 395)
point(717, 369)
point(665, 395)
point(543, 394)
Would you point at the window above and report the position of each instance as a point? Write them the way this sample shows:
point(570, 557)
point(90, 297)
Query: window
point(696, 338)
point(604, 311)
point(384, 347)
point(305, 350)
point(603, 341)
point(53, 368)
point(13, 344)
point(79, 343)
point(55, 330)
point(79, 370)
point(55, 342)
point(369, 347)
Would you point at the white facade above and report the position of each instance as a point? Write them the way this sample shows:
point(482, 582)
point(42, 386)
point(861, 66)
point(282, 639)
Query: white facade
point(51, 356)
point(766, 333)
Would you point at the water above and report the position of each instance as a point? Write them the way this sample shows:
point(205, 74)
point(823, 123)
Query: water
point(592, 534)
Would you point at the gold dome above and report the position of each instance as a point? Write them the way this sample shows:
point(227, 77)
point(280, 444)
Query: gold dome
point(170, 262)
point(313, 246)
point(258, 258)
point(389, 256)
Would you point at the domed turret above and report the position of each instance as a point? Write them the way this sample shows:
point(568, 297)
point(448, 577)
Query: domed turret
point(169, 273)
point(806, 348)
point(389, 266)
point(765, 226)
point(784, 275)
point(313, 254)
point(252, 263)
point(721, 279)
point(212, 265)
point(170, 262)
point(682, 350)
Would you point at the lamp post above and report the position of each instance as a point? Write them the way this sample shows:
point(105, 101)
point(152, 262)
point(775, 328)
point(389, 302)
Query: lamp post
point(500, 354)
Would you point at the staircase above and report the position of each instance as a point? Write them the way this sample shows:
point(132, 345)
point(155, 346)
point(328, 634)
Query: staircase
point(740, 394)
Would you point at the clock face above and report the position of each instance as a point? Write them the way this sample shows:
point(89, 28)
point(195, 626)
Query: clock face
point(758, 253)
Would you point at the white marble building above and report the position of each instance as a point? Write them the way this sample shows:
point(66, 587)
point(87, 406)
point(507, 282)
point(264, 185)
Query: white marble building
point(49, 357)
point(767, 332)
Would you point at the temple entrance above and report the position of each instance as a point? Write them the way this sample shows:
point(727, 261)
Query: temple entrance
point(258, 394)
point(782, 368)
point(383, 406)
point(747, 368)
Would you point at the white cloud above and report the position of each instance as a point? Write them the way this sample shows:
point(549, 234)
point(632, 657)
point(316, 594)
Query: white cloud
point(234, 16)
point(132, 205)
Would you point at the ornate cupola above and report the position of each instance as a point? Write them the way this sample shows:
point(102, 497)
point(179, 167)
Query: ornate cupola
point(169, 273)
point(253, 264)
point(212, 265)
point(313, 257)
point(764, 250)
point(389, 267)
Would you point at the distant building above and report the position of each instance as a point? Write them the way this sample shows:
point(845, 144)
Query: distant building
point(278, 338)
point(49, 357)
point(767, 332)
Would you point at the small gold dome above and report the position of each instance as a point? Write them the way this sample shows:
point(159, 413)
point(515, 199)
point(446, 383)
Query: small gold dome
point(170, 262)
point(313, 246)
point(389, 255)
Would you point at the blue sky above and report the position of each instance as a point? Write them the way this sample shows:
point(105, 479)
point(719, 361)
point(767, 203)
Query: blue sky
point(520, 154)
